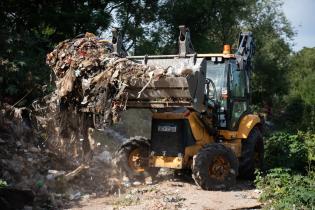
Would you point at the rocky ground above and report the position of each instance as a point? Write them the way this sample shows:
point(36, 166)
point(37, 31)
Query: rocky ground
point(172, 193)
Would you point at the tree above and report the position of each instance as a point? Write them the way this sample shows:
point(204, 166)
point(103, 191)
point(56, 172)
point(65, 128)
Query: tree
point(302, 75)
point(272, 33)
point(29, 29)
point(135, 18)
point(301, 89)
point(212, 23)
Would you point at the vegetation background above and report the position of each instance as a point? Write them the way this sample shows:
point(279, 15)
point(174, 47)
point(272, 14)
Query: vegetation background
point(283, 81)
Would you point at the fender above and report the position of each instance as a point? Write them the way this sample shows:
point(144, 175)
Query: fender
point(247, 123)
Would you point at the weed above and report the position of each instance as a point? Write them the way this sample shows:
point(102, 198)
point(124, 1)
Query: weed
point(282, 189)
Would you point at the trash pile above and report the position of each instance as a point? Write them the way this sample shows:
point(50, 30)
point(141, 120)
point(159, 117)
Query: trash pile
point(92, 79)
point(34, 174)
point(22, 162)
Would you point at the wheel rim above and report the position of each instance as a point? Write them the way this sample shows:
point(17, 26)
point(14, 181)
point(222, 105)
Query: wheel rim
point(136, 161)
point(219, 168)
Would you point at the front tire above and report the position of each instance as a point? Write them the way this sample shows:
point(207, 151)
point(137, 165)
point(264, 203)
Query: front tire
point(132, 159)
point(252, 157)
point(215, 167)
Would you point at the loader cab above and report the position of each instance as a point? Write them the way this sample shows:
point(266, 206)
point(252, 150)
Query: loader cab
point(231, 89)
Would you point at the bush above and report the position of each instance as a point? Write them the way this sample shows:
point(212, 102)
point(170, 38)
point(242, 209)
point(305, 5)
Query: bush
point(290, 182)
point(294, 114)
point(287, 151)
point(283, 190)
point(310, 145)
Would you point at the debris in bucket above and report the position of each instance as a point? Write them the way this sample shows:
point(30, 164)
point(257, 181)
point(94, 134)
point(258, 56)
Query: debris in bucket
point(91, 79)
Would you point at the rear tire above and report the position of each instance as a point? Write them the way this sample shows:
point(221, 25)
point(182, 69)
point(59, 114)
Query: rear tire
point(215, 167)
point(132, 159)
point(252, 157)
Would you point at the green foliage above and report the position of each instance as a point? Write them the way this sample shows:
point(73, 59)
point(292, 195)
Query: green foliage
point(302, 75)
point(136, 19)
point(290, 182)
point(3, 183)
point(211, 23)
point(272, 32)
point(296, 115)
point(310, 145)
point(281, 189)
point(286, 150)
point(296, 111)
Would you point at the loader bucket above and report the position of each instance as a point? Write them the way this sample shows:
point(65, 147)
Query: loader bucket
point(176, 91)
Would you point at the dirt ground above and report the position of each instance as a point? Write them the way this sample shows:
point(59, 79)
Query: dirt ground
point(170, 193)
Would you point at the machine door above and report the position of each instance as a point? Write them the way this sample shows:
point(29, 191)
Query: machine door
point(239, 95)
point(218, 73)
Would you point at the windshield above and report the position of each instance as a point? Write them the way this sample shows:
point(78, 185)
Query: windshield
point(217, 73)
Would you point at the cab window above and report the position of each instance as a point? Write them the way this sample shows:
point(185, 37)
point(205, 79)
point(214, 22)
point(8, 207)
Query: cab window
point(237, 83)
point(238, 95)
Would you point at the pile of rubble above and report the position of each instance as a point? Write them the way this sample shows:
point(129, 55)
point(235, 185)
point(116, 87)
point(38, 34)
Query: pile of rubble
point(37, 175)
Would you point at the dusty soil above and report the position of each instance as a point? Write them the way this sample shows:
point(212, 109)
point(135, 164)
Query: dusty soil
point(174, 194)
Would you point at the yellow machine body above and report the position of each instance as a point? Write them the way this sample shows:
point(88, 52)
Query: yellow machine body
point(232, 139)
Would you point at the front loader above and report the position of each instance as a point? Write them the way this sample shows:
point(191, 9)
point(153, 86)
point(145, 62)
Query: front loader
point(201, 121)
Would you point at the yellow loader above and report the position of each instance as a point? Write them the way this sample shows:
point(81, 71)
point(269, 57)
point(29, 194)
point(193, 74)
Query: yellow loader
point(200, 122)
